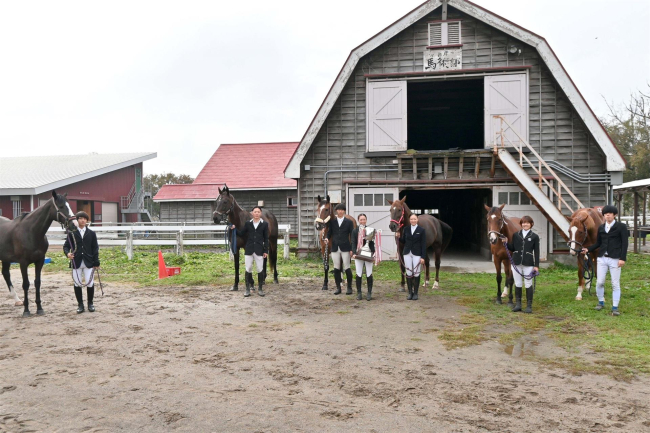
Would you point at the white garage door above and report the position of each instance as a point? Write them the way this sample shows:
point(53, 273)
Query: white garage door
point(518, 205)
point(109, 213)
point(372, 202)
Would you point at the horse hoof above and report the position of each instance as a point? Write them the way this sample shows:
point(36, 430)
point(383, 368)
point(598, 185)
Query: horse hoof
point(499, 301)
point(511, 305)
point(275, 281)
point(402, 289)
point(579, 298)
point(40, 312)
point(234, 289)
point(18, 304)
point(436, 285)
point(324, 288)
point(26, 314)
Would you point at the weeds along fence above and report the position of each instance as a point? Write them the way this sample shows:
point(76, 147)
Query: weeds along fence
point(177, 235)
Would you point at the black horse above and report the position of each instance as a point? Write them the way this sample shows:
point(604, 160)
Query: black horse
point(23, 241)
point(226, 205)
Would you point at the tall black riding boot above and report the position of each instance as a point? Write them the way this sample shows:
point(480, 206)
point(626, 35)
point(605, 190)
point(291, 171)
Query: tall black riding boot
point(337, 281)
point(250, 283)
point(260, 283)
point(529, 300)
point(91, 295)
point(80, 299)
point(369, 281)
point(517, 306)
point(416, 287)
point(409, 284)
point(348, 276)
point(358, 281)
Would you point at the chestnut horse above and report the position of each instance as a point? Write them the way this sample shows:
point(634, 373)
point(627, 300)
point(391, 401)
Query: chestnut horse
point(438, 236)
point(226, 205)
point(23, 241)
point(583, 233)
point(499, 228)
point(324, 213)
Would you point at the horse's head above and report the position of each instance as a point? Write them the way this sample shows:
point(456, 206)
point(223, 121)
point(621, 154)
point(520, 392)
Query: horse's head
point(495, 222)
point(578, 232)
point(323, 212)
point(224, 205)
point(398, 214)
point(64, 214)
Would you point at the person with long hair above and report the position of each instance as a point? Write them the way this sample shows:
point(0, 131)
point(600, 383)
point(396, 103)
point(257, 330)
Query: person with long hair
point(359, 263)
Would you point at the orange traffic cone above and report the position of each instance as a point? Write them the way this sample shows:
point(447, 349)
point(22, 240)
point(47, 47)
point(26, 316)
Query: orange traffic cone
point(162, 269)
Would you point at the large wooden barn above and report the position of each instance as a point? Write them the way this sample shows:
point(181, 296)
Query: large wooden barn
point(108, 187)
point(264, 184)
point(412, 113)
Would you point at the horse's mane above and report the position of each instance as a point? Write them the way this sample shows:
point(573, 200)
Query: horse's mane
point(22, 216)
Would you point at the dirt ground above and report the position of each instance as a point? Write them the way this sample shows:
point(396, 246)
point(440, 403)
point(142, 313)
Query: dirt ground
point(299, 359)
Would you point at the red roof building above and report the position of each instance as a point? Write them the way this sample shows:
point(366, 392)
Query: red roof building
point(253, 171)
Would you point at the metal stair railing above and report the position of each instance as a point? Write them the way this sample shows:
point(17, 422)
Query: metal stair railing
point(500, 134)
point(126, 200)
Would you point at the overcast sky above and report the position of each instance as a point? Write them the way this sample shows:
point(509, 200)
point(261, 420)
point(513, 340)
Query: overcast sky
point(181, 77)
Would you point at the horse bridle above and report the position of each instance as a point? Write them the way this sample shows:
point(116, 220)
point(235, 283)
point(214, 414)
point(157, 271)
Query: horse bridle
point(399, 223)
point(224, 215)
point(498, 233)
point(584, 226)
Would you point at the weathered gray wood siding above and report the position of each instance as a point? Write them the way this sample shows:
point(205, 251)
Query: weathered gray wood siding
point(275, 201)
point(555, 129)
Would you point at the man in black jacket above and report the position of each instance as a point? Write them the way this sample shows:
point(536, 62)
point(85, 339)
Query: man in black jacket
point(612, 253)
point(83, 260)
point(256, 249)
point(339, 232)
point(525, 244)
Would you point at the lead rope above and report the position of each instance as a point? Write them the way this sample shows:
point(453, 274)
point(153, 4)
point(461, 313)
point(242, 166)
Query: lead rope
point(532, 274)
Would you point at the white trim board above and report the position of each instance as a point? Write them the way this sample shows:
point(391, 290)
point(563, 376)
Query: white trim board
point(615, 161)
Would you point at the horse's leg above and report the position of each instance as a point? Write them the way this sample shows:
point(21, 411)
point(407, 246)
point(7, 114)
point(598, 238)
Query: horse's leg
point(402, 268)
point(581, 278)
point(594, 268)
point(7, 276)
point(497, 265)
point(274, 261)
point(235, 286)
point(38, 266)
point(23, 271)
point(438, 252)
point(510, 281)
point(426, 268)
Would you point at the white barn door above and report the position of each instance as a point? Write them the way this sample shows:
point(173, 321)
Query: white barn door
point(518, 205)
point(386, 108)
point(506, 95)
point(372, 202)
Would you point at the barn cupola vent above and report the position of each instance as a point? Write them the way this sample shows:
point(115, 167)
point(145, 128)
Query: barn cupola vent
point(444, 32)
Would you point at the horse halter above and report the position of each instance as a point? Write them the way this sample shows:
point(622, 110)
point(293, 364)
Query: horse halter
point(399, 223)
point(224, 215)
point(580, 244)
point(498, 233)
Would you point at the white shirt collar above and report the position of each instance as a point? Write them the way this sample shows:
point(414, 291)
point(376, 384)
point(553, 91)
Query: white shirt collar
point(340, 220)
point(525, 232)
point(413, 228)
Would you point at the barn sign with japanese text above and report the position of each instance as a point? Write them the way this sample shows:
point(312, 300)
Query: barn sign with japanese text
point(443, 59)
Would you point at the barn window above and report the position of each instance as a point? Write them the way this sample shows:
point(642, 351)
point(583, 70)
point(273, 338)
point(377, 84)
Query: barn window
point(17, 208)
point(292, 202)
point(443, 33)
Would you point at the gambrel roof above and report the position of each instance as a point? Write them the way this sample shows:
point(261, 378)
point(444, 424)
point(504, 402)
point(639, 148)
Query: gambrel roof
point(615, 161)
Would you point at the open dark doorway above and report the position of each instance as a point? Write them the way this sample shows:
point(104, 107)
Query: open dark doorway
point(444, 115)
point(462, 209)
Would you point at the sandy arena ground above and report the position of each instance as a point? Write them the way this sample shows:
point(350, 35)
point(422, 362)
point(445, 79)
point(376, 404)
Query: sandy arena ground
point(303, 360)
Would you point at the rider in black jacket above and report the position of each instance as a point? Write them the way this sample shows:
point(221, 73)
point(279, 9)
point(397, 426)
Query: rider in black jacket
point(340, 230)
point(525, 244)
point(84, 260)
point(256, 249)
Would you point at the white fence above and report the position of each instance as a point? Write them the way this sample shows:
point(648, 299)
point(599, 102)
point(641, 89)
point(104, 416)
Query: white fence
point(156, 235)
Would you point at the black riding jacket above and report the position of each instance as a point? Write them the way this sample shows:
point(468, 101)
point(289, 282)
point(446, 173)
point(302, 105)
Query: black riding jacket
point(340, 236)
point(415, 243)
point(612, 244)
point(87, 248)
point(258, 239)
point(526, 251)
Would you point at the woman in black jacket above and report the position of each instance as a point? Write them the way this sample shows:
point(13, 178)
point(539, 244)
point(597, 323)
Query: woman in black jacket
point(256, 249)
point(525, 244)
point(414, 252)
point(83, 260)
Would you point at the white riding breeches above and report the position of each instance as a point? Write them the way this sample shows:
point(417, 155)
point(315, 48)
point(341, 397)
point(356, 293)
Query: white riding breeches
point(87, 274)
point(259, 263)
point(606, 264)
point(412, 265)
point(359, 264)
point(336, 259)
point(520, 280)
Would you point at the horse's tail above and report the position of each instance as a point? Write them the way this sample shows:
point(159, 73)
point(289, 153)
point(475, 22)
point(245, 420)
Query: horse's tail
point(447, 233)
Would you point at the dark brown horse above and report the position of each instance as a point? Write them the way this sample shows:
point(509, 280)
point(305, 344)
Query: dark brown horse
point(500, 227)
point(583, 233)
point(438, 236)
point(227, 206)
point(23, 241)
point(324, 213)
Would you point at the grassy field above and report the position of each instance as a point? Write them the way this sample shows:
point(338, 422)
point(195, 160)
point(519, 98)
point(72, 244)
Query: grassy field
point(623, 342)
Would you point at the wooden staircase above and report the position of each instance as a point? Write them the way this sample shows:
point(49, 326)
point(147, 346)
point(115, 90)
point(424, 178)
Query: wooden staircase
point(532, 189)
